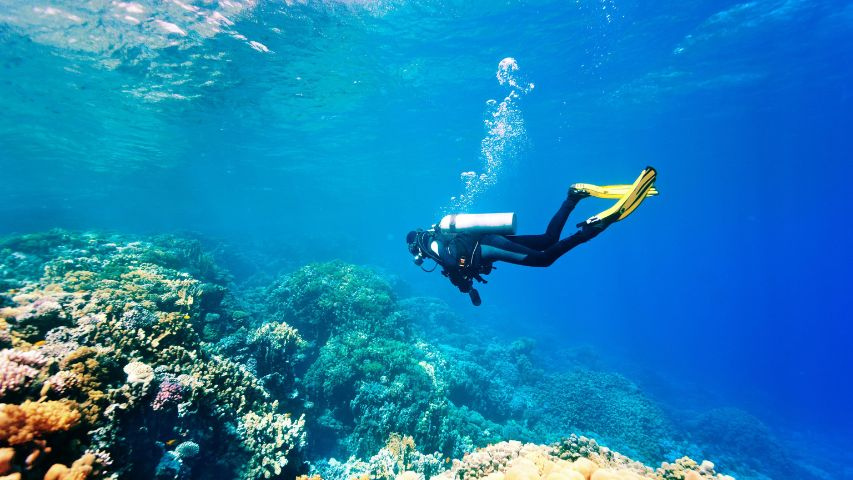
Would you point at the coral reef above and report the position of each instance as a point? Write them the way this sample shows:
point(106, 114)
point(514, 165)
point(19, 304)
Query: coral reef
point(605, 404)
point(129, 358)
point(740, 441)
point(363, 372)
point(271, 437)
point(575, 458)
point(108, 357)
point(325, 298)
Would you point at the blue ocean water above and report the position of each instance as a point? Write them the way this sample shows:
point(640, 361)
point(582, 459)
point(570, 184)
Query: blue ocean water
point(322, 130)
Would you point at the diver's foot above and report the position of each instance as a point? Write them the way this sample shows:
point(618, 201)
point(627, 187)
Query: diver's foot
point(596, 223)
point(576, 192)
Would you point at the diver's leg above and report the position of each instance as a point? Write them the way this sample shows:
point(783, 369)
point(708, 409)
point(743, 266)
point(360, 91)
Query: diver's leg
point(495, 248)
point(560, 248)
point(555, 226)
point(499, 248)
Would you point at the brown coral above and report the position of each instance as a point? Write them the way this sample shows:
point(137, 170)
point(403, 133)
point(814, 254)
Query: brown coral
point(80, 469)
point(32, 420)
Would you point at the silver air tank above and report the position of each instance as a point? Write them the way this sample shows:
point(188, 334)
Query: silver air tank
point(479, 223)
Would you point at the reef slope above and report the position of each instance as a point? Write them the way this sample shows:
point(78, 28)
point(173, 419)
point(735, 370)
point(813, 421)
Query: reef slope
point(130, 357)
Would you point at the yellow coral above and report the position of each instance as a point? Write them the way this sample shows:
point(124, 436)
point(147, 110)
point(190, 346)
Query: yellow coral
point(79, 279)
point(585, 467)
point(401, 448)
point(565, 474)
point(606, 474)
point(6, 456)
point(32, 420)
point(522, 468)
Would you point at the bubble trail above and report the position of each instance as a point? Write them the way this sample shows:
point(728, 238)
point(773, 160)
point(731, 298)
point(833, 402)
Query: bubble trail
point(505, 137)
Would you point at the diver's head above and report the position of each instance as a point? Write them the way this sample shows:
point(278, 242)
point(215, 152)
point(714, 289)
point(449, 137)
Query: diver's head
point(413, 240)
point(411, 237)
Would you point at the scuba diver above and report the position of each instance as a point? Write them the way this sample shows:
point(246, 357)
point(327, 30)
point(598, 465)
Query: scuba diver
point(467, 245)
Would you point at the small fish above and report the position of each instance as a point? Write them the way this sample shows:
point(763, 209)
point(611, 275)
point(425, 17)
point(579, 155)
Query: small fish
point(39, 343)
point(171, 442)
point(186, 317)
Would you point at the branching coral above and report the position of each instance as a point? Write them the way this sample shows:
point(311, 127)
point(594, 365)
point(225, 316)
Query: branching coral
point(275, 345)
point(227, 386)
point(16, 373)
point(400, 458)
point(170, 393)
point(270, 437)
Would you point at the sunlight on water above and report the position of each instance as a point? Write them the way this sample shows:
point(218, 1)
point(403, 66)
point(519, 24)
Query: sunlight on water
point(143, 35)
point(504, 140)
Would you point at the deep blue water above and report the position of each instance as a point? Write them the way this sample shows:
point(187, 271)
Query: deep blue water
point(349, 123)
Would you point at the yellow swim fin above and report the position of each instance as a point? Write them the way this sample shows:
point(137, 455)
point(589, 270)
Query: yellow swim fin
point(610, 191)
point(629, 201)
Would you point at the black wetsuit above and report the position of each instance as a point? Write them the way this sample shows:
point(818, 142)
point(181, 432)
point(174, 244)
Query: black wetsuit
point(529, 250)
point(536, 250)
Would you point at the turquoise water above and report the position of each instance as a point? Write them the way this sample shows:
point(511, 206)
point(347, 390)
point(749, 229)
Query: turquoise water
point(291, 132)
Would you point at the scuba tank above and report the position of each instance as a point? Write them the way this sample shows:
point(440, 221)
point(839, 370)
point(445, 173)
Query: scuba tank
point(479, 223)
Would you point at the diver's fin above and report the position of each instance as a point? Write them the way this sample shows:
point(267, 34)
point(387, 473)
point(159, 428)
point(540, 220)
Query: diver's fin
point(609, 191)
point(628, 202)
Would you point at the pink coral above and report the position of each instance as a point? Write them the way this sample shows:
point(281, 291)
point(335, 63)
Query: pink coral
point(170, 393)
point(62, 381)
point(31, 358)
point(45, 308)
point(17, 370)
